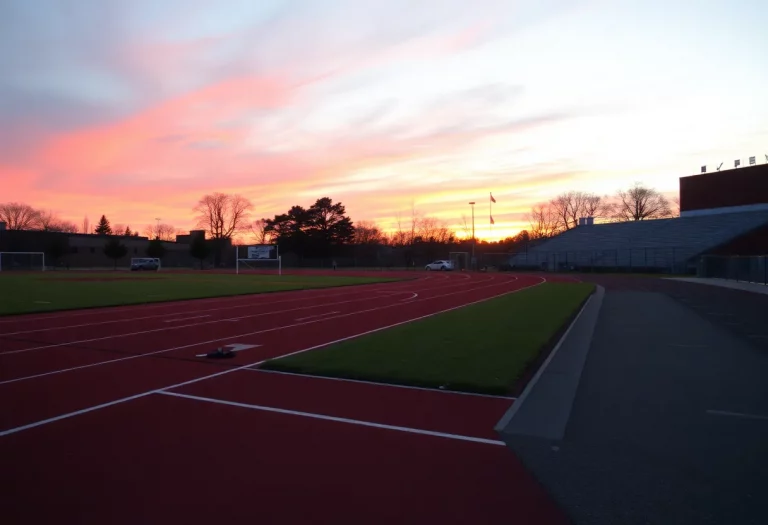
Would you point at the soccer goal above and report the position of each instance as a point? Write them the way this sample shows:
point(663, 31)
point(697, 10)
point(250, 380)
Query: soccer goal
point(24, 261)
point(460, 260)
point(261, 258)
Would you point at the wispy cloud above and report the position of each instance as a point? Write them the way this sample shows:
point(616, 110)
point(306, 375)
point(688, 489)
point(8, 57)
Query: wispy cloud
point(136, 109)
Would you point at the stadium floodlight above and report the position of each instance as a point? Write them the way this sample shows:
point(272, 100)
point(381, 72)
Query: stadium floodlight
point(23, 261)
point(259, 257)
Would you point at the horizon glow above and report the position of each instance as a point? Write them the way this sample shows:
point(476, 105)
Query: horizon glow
point(136, 110)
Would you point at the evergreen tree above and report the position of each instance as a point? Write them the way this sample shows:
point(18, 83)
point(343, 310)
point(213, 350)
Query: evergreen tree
point(103, 228)
point(114, 249)
point(156, 249)
point(200, 249)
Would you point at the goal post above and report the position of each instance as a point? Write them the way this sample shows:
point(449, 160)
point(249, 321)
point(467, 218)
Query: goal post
point(259, 257)
point(460, 260)
point(23, 261)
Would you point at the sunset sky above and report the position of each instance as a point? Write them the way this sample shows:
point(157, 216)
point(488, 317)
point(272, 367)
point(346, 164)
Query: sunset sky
point(135, 109)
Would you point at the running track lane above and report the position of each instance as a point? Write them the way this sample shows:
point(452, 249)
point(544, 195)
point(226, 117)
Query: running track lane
point(31, 399)
point(161, 459)
point(20, 355)
point(307, 469)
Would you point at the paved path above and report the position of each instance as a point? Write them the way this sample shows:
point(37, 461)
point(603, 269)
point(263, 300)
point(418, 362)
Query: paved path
point(669, 423)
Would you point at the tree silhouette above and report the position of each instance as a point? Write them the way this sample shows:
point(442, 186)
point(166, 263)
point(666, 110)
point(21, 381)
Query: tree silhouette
point(114, 249)
point(103, 228)
point(156, 249)
point(640, 203)
point(199, 249)
point(128, 231)
point(223, 215)
point(19, 216)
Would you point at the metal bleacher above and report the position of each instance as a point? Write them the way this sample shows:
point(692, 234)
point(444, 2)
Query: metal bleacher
point(668, 245)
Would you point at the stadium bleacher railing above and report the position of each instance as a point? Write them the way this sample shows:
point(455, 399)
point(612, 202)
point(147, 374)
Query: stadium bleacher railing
point(672, 260)
point(740, 268)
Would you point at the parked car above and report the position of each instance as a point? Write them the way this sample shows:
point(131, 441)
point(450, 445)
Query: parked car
point(440, 265)
point(145, 264)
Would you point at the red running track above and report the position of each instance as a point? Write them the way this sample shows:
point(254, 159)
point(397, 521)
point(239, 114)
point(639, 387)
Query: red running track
point(108, 416)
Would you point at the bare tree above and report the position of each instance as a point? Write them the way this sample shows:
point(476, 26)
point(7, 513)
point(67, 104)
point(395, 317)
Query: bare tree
point(399, 237)
point(50, 222)
point(640, 203)
point(223, 215)
point(19, 216)
point(544, 222)
point(569, 207)
point(163, 232)
point(414, 224)
point(466, 227)
point(367, 232)
point(431, 229)
point(260, 233)
point(676, 206)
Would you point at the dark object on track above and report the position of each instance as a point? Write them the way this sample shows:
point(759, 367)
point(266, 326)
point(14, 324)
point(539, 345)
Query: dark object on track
point(220, 353)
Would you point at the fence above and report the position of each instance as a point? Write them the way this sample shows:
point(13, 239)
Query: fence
point(751, 269)
point(645, 260)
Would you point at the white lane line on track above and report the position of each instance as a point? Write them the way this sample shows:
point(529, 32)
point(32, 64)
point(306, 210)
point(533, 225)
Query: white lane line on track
point(374, 383)
point(177, 327)
point(128, 358)
point(250, 365)
point(356, 422)
point(315, 316)
point(202, 301)
point(185, 319)
point(198, 310)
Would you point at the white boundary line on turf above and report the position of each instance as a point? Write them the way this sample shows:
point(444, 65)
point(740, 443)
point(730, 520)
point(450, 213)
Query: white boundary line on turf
point(250, 316)
point(249, 365)
point(226, 338)
point(357, 422)
point(375, 383)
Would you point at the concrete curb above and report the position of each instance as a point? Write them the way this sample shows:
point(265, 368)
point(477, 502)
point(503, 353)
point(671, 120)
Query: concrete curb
point(543, 408)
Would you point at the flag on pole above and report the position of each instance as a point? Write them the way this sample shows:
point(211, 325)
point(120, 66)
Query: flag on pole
point(736, 163)
point(492, 199)
point(492, 221)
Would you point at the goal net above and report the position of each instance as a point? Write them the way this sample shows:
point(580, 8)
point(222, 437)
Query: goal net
point(260, 258)
point(23, 261)
point(460, 260)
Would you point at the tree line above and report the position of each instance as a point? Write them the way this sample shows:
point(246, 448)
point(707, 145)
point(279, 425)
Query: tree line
point(324, 228)
point(562, 213)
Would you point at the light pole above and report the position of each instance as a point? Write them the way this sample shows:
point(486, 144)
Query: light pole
point(157, 228)
point(472, 262)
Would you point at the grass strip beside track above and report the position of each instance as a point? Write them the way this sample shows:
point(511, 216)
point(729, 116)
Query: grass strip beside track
point(483, 348)
point(31, 293)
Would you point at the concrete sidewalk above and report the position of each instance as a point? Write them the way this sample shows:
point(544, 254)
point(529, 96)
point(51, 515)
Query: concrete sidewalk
point(669, 423)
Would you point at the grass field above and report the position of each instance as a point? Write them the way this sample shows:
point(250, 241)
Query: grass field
point(482, 348)
point(27, 293)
